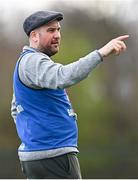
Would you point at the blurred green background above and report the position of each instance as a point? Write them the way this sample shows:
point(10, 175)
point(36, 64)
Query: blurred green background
point(106, 102)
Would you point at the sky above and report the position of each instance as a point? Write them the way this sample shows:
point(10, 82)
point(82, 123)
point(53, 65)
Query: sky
point(124, 10)
point(11, 7)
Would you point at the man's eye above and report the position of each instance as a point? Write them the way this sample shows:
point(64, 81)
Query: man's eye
point(51, 30)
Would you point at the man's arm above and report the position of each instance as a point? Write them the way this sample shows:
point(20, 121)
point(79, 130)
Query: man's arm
point(41, 72)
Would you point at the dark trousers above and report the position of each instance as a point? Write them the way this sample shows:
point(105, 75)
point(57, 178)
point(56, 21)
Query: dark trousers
point(61, 167)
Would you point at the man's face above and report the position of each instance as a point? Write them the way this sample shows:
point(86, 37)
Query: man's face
point(49, 37)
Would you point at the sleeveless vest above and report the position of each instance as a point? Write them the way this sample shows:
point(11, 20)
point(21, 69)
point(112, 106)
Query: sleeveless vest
point(45, 118)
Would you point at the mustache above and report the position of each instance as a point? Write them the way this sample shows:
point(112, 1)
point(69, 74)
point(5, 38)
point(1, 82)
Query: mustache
point(55, 41)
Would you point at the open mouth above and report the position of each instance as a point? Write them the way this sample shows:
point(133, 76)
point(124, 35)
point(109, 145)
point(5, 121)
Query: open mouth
point(55, 43)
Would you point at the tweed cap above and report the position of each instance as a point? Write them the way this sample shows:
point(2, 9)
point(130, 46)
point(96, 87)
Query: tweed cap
point(40, 18)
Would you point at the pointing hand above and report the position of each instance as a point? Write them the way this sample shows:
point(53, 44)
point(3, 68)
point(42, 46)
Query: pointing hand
point(115, 46)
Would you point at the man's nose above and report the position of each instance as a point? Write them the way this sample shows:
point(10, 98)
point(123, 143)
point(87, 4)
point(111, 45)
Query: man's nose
point(57, 34)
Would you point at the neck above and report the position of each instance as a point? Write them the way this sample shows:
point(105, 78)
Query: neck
point(33, 45)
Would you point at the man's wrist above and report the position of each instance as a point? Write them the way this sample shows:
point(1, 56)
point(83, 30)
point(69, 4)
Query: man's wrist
point(99, 55)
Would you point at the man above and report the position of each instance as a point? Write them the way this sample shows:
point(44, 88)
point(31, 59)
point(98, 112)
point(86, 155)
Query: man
point(44, 118)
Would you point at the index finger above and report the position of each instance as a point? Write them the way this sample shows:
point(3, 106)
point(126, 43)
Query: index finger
point(122, 37)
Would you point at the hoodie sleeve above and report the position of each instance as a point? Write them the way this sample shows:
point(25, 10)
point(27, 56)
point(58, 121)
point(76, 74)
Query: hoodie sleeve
point(39, 71)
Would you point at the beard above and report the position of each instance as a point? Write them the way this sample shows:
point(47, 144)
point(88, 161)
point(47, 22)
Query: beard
point(49, 50)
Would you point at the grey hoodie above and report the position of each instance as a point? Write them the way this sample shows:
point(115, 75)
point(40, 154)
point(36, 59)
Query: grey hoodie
point(37, 70)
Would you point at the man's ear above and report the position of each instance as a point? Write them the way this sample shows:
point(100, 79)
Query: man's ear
point(34, 36)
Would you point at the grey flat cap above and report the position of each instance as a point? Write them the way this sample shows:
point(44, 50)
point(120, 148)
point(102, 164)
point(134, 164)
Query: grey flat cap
point(40, 18)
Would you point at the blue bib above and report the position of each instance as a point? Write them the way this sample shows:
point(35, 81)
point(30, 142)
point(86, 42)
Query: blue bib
point(45, 119)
